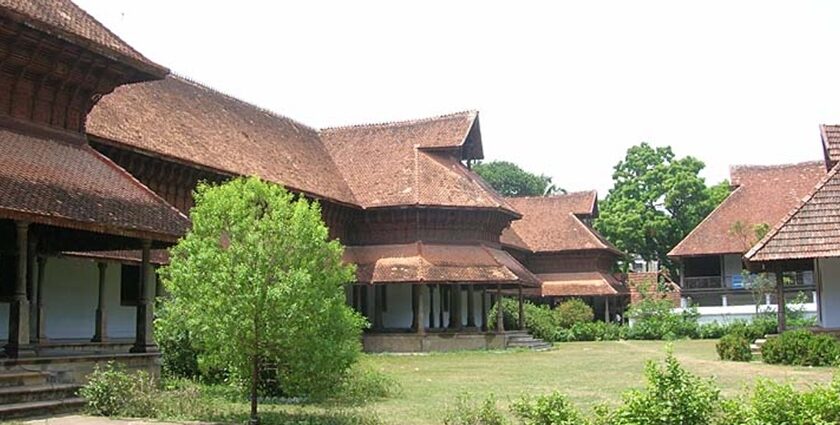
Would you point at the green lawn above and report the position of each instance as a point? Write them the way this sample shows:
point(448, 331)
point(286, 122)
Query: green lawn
point(588, 372)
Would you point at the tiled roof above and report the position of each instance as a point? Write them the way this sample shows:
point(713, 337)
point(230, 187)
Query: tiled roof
point(396, 164)
point(580, 284)
point(180, 119)
point(61, 183)
point(764, 194)
point(64, 19)
point(435, 263)
point(158, 257)
point(810, 230)
point(831, 143)
point(552, 224)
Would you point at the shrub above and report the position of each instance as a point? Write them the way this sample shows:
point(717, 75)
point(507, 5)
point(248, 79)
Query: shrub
point(734, 347)
point(364, 383)
point(539, 319)
point(712, 330)
point(112, 391)
point(655, 319)
point(594, 331)
point(572, 312)
point(672, 396)
point(774, 403)
point(550, 409)
point(467, 411)
point(802, 348)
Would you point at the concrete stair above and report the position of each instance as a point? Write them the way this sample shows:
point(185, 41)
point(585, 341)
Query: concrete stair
point(522, 339)
point(33, 393)
point(755, 347)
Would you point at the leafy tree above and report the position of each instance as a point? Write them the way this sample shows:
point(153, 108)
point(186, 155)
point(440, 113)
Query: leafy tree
point(655, 201)
point(259, 285)
point(510, 180)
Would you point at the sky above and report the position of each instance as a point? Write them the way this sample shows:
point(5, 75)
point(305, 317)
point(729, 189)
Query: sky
point(562, 88)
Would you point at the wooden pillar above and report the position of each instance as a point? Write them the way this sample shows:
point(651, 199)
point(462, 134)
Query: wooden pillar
point(144, 341)
point(500, 314)
point(455, 320)
point(378, 300)
point(521, 308)
point(40, 323)
point(780, 300)
point(607, 309)
point(442, 302)
point(100, 331)
point(32, 288)
point(420, 311)
point(431, 307)
point(484, 309)
point(470, 306)
point(415, 305)
point(18, 345)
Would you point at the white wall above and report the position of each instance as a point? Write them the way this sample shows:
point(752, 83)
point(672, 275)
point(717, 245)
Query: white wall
point(731, 267)
point(829, 269)
point(70, 295)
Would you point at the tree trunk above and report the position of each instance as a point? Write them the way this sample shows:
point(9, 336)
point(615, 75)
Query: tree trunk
point(255, 376)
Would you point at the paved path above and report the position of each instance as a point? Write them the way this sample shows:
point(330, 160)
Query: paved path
point(94, 420)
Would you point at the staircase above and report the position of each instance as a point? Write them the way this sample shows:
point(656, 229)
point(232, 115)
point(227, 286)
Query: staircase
point(35, 393)
point(755, 347)
point(522, 339)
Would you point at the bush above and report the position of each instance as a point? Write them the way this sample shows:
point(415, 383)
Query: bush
point(112, 391)
point(672, 396)
point(539, 319)
point(572, 312)
point(364, 384)
point(772, 403)
point(550, 409)
point(469, 412)
point(594, 331)
point(734, 347)
point(654, 319)
point(801, 348)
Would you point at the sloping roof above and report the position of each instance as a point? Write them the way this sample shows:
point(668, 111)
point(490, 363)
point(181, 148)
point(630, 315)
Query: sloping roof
point(764, 194)
point(552, 224)
point(810, 230)
point(436, 263)
point(580, 284)
point(831, 143)
point(184, 120)
point(396, 164)
point(66, 20)
point(158, 257)
point(71, 185)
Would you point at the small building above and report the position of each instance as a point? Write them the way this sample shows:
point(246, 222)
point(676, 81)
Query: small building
point(710, 258)
point(555, 240)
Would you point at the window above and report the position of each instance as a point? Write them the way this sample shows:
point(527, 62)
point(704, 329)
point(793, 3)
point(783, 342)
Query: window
point(129, 285)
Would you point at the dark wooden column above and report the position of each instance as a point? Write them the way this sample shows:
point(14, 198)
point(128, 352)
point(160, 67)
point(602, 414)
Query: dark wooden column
point(455, 318)
point(521, 308)
point(484, 309)
point(40, 322)
point(18, 345)
point(100, 332)
point(431, 306)
point(607, 309)
point(144, 341)
point(377, 307)
point(420, 311)
point(442, 302)
point(32, 288)
point(780, 300)
point(470, 306)
point(414, 306)
point(500, 313)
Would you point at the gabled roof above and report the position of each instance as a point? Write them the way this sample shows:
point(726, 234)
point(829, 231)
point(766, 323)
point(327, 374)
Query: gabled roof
point(762, 195)
point(831, 143)
point(68, 184)
point(66, 20)
point(180, 119)
point(553, 224)
point(810, 230)
point(580, 284)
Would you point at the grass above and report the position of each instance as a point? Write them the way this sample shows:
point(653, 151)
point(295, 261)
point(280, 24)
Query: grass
point(588, 372)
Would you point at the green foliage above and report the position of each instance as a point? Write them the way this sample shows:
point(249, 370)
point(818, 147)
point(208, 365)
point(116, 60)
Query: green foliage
point(594, 331)
point(365, 384)
point(467, 411)
point(112, 391)
point(802, 348)
point(734, 347)
point(655, 319)
point(773, 403)
point(573, 311)
point(179, 358)
point(539, 319)
point(655, 201)
point(510, 180)
point(672, 396)
point(757, 328)
point(257, 280)
point(549, 409)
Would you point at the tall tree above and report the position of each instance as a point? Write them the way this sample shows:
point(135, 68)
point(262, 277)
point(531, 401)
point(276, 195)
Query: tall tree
point(258, 283)
point(511, 180)
point(656, 200)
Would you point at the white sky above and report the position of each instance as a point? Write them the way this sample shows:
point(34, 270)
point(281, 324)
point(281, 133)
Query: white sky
point(563, 88)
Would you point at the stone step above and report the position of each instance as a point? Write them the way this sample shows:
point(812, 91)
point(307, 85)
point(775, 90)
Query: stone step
point(40, 408)
point(40, 392)
point(18, 378)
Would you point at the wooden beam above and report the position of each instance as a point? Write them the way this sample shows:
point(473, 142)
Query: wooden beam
point(470, 306)
point(484, 309)
point(420, 311)
point(100, 330)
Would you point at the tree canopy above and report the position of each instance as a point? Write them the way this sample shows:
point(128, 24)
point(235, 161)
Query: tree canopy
point(656, 200)
point(260, 288)
point(510, 180)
